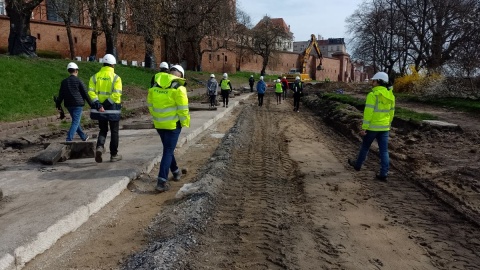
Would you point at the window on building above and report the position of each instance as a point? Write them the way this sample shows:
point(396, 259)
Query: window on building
point(75, 39)
point(210, 57)
point(58, 38)
point(38, 36)
point(52, 13)
point(218, 57)
point(225, 58)
point(2, 7)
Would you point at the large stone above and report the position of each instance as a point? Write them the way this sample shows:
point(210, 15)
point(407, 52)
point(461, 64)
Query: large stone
point(81, 149)
point(54, 153)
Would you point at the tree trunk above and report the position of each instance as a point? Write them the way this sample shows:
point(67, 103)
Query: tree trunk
point(70, 40)
point(93, 45)
point(19, 40)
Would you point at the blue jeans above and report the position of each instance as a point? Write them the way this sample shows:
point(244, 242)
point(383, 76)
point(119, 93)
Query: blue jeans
point(382, 140)
point(76, 114)
point(169, 141)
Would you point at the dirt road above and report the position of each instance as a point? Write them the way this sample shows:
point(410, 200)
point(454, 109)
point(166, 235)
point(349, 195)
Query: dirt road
point(273, 193)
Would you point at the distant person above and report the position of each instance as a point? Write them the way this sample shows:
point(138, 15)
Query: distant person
point(261, 87)
point(297, 89)
point(168, 104)
point(225, 89)
point(251, 82)
point(163, 68)
point(105, 90)
point(212, 86)
point(73, 93)
point(377, 119)
point(284, 86)
point(278, 91)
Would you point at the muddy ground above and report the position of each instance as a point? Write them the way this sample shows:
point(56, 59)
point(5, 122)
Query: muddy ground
point(273, 191)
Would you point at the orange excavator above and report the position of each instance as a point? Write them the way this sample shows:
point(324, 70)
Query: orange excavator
point(303, 59)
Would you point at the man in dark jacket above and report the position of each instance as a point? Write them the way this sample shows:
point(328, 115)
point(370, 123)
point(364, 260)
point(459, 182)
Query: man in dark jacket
point(73, 93)
point(251, 82)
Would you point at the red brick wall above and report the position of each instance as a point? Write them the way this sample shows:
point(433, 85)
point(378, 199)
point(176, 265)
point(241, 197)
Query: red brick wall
point(131, 47)
point(52, 36)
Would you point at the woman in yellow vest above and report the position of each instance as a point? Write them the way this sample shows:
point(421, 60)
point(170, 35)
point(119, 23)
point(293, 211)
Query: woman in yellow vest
point(226, 88)
point(278, 91)
point(168, 104)
point(377, 119)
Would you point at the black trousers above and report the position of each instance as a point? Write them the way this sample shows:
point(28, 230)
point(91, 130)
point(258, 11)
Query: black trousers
point(102, 135)
point(212, 100)
point(225, 94)
point(260, 99)
point(296, 101)
point(251, 87)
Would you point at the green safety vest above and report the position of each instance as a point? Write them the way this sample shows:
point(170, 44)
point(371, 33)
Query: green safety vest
point(278, 87)
point(379, 109)
point(167, 102)
point(224, 85)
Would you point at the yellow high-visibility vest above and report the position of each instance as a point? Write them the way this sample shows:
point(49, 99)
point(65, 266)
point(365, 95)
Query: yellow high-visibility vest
point(379, 109)
point(167, 102)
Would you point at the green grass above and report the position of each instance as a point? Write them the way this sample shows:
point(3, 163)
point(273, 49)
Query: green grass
point(462, 104)
point(401, 113)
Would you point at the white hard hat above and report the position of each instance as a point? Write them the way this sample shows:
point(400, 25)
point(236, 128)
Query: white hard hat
point(278, 80)
point(251, 75)
point(164, 65)
point(179, 68)
point(297, 78)
point(261, 78)
point(284, 77)
point(380, 76)
point(225, 75)
point(109, 59)
point(72, 65)
point(212, 75)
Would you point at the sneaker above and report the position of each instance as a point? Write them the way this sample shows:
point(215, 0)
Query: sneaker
point(177, 175)
point(162, 186)
point(116, 157)
point(227, 106)
point(381, 178)
point(352, 163)
point(86, 138)
point(98, 154)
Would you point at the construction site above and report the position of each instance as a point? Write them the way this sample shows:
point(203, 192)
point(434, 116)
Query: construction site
point(262, 188)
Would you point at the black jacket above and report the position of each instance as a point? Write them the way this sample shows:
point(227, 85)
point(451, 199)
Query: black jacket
point(73, 93)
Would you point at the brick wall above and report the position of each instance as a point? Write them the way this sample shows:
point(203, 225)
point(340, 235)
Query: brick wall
point(52, 36)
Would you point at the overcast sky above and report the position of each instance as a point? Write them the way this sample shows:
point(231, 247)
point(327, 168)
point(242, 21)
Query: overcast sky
point(305, 17)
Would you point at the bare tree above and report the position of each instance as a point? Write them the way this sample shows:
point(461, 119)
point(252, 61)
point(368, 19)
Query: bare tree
point(243, 36)
point(93, 12)
point(20, 40)
point(266, 36)
point(110, 12)
point(68, 10)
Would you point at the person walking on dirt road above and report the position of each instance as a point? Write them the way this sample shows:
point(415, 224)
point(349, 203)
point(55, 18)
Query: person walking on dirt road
point(284, 82)
point(261, 87)
point(105, 90)
point(278, 91)
point(225, 89)
point(167, 102)
point(377, 119)
point(251, 82)
point(73, 93)
point(212, 86)
point(297, 93)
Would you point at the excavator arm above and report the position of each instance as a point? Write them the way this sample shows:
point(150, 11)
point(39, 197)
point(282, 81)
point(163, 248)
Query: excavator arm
point(306, 54)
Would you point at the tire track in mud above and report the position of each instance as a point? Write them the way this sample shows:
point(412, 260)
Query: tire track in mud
point(448, 238)
point(251, 226)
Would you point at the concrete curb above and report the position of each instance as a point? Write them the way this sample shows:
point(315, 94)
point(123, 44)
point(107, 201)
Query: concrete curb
point(44, 240)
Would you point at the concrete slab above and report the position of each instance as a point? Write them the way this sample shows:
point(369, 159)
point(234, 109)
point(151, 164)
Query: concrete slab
point(42, 203)
point(440, 123)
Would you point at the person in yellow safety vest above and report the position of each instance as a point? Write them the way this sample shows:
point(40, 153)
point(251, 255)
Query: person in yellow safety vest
point(225, 89)
point(278, 91)
point(163, 69)
point(168, 104)
point(105, 91)
point(377, 119)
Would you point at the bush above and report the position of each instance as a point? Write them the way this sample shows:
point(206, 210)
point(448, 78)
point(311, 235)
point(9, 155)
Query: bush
point(49, 54)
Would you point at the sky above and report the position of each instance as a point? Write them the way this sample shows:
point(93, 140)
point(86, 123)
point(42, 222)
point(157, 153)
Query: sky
point(305, 17)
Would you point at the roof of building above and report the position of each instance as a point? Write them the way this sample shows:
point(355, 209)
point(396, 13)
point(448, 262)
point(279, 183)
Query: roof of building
point(278, 22)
